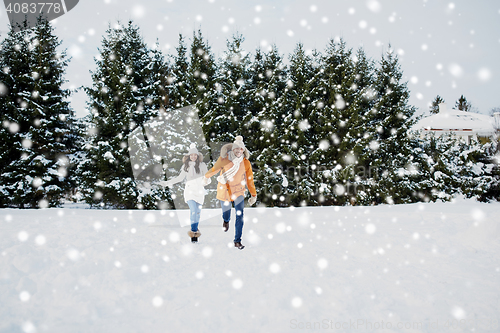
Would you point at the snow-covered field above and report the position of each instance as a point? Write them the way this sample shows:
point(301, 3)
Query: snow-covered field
point(410, 268)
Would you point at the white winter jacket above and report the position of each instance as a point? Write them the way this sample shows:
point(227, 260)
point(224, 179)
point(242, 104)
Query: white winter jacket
point(194, 189)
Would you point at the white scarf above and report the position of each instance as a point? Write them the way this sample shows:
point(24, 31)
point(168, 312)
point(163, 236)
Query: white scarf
point(229, 174)
point(191, 170)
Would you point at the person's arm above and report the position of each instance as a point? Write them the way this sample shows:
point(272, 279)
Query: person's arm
point(249, 176)
point(217, 167)
point(203, 168)
point(178, 179)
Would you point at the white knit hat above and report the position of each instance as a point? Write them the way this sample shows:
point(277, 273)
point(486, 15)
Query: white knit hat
point(238, 142)
point(192, 149)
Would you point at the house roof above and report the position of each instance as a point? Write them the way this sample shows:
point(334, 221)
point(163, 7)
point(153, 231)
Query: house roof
point(456, 120)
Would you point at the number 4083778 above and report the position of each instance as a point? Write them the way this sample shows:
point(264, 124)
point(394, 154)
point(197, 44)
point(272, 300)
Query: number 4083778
point(40, 7)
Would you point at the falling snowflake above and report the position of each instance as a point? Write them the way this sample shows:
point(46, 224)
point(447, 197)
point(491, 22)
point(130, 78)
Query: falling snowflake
point(40, 240)
point(296, 302)
point(274, 268)
point(24, 296)
point(374, 6)
point(455, 70)
point(157, 301)
point(458, 313)
point(73, 254)
point(174, 237)
point(322, 263)
point(484, 74)
point(207, 252)
point(370, 228)
point(237, 284)
point(23, 236)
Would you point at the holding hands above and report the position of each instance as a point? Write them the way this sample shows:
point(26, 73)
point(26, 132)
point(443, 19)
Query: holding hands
point(205, 181)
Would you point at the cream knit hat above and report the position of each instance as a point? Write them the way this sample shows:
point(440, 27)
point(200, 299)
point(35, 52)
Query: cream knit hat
point(238, 142)
point(192, 149)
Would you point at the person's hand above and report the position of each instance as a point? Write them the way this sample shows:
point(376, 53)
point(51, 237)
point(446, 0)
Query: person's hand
point(252, 200)
point(205, 181)
point(165, 183)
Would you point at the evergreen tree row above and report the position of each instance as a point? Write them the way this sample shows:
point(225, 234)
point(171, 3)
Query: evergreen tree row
point(461, 104)
point(39, 136)
point(327, 127)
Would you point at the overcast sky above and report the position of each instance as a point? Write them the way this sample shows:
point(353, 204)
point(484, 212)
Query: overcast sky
point(446, 48)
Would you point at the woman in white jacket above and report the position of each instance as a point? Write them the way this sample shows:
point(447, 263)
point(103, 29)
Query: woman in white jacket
point(192, 171)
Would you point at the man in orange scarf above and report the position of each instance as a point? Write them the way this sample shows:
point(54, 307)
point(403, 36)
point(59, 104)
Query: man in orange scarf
point(235, 173)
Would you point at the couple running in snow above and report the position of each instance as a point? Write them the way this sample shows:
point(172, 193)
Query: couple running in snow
point(235, 173)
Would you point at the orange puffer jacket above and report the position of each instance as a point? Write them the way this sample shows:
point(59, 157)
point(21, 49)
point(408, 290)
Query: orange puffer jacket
point(235, 187)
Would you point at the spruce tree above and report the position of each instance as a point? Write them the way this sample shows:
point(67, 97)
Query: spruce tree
point(227, 117)
point(292, 132)
point(177, 128)
point(179, 92)
point(433, 161)
point(263, 124)
point(265, 91)
point(256, 92)
point(189, 91)
point(448, 166)
point(434, 108)
point(205, 86)
point(127, 92)
point(37, 134)
point(490, 183)
point(344, 101)
point(202, 68)
point(390, 149)
point(462, 104)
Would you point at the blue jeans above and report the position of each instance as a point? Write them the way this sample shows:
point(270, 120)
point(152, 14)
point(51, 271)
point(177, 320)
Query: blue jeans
point(195, 210)
point(239, 203)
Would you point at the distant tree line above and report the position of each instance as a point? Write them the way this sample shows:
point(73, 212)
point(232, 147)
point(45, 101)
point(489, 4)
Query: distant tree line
point(329, 127)
point(461, 104)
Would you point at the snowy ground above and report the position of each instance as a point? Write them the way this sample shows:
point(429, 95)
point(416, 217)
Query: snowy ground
point(410, 268)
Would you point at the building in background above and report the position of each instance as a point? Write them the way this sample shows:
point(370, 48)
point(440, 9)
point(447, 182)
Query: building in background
point(464, 125)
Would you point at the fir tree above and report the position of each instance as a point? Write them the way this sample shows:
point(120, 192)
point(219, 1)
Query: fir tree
point(202, 68)
point(36, 137)
point(390, 148)
point(126, 93)
point(263, 124)
point(292, 133)
point(434, 108)
point(179, 127)
point(489, 184)
point(265, 91)
point(204, 82)
point(345, 83)
point(190, 84)
point(227, 119)
point(433, 160)
point(178, 82)
point(462, 104)
point(257, 92)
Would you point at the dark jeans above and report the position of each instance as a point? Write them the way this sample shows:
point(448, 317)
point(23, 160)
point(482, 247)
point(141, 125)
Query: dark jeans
point(238, 203)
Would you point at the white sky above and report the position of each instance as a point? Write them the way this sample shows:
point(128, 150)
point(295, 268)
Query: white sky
point(448, 48)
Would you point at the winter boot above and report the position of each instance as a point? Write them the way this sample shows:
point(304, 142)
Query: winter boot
point(194, 235)
point(239, 245)
point(225, 226)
